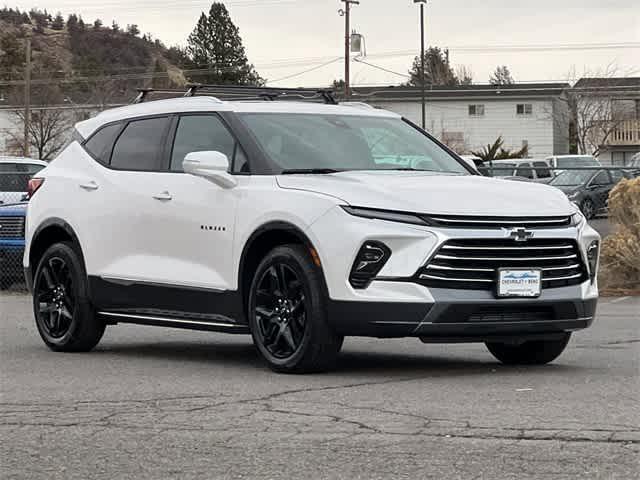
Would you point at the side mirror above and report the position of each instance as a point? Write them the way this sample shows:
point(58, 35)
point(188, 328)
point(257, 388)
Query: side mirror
point(211, 165)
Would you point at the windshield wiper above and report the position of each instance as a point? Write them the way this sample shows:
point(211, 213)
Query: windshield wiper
point(320, 171)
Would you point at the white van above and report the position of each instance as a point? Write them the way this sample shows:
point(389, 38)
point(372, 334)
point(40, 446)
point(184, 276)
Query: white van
point(532, 169)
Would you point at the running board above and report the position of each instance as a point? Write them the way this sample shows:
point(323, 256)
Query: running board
point(210, 326)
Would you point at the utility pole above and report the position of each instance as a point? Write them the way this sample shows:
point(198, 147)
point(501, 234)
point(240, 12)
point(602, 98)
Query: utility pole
point(27, 95)
point(347, 44)
point(422, 82)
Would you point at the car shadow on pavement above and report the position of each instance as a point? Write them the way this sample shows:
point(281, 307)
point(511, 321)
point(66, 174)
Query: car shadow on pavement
point(377, 363)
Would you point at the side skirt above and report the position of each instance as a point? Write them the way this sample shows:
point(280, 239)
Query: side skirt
point(189, 324)
point(127, 301)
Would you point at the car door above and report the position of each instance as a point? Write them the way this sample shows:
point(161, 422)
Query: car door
point(120, 195)
point(599, 188)
point(195, 217)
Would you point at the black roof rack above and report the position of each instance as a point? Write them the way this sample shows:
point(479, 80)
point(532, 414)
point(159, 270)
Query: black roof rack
point(243, 93)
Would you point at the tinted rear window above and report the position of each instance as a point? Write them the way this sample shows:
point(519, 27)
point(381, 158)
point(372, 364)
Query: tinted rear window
point(139, 145)
point(101, 143)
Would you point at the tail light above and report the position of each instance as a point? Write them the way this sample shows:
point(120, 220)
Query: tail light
point(33, 186)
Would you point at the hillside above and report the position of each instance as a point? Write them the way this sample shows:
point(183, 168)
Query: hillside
point(83, 62)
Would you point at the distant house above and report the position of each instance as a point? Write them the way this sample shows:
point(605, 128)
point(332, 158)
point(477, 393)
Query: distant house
point(469, 117)
point(608, 109)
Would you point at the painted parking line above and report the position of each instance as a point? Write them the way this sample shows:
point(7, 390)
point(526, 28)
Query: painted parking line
point(618, 300)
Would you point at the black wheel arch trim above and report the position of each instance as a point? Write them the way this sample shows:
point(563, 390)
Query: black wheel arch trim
point(50, 222)
point(271, 226)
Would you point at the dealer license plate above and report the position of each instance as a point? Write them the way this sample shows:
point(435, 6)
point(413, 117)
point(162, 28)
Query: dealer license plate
point(519, 283)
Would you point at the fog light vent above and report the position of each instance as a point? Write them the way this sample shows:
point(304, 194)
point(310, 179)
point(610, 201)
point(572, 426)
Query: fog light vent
point(370, 259)
point(592, 258)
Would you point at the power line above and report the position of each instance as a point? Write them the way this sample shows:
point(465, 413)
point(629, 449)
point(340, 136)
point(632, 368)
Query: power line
point(317, 67)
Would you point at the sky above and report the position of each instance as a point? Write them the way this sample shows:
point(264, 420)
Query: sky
point(543, 40)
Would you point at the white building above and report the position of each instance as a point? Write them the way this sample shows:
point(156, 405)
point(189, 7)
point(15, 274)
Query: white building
point(469, 117)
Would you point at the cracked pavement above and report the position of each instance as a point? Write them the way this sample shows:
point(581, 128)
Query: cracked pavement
point(157, 403)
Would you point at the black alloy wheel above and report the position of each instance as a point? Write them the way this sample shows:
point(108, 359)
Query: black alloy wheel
point(280, 310)
point(64, 315)
point(288, 318)
point(588, 209)
point(54, 297)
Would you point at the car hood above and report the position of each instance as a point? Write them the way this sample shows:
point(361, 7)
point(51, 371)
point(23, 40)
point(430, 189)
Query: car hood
point(428, 192)
point(568, 188)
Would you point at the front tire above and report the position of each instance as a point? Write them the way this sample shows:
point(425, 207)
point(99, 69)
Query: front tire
point(532, 352)
point(588, 209)
point(288, 313)
point(64, 315)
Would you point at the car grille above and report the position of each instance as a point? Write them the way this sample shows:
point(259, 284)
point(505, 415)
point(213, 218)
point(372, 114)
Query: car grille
point(457, 221)
point(12, 227)
point(473, 264)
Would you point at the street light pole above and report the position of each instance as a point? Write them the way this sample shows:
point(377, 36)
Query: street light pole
point(422, 82)
point(27, 95)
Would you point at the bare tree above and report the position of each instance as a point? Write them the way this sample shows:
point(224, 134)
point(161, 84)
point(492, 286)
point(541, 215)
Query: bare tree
point(588, 112)
point(49, 124)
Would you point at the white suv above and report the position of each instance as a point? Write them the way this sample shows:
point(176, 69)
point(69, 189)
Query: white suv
point(299, 223)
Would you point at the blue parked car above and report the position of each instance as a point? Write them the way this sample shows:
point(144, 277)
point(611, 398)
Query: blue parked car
point(12, 224)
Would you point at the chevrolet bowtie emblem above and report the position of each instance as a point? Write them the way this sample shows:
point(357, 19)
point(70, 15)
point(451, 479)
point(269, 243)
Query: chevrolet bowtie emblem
point(520, 234)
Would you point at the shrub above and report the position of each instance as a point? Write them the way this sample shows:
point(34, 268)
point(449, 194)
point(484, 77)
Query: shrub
point(620, 260)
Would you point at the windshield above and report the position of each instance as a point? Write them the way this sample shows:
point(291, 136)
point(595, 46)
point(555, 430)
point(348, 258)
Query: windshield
point(345, 142)
point(572, 178)
point(571, 162)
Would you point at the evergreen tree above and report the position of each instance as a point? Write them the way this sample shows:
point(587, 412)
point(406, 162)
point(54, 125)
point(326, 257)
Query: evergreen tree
point(97, 24)
point(437, 69)
point(501, 76)
point(133, 30)
point(58, 22)
point(215, 43)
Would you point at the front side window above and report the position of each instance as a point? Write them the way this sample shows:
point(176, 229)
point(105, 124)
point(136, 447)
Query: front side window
point(601, 179)
point(347, 142)
point(199, 133)
point(140, 144)
point(542, 169)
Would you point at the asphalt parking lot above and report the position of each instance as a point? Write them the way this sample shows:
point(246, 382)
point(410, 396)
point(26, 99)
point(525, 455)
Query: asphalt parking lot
point(160, 403)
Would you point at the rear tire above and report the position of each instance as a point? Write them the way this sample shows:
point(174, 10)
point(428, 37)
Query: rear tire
point(64, 315)
point(288, 313)
point(533, 352)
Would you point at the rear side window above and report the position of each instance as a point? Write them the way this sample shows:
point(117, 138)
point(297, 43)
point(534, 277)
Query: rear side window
point(525, 171)
point(542, 169)
point(199, 133)
point(139, 145)
point(101, 143)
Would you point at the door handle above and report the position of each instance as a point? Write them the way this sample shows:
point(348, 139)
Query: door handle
point(89, 186)
point(163, 196)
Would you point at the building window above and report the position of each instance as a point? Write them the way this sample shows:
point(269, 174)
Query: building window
point(524, 109)
point(476, 110)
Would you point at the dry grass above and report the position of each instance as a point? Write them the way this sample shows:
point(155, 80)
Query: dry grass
point(620, 260)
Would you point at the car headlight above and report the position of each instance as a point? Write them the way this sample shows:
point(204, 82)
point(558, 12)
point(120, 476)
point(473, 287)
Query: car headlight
point(390, 216)
point(577, 219)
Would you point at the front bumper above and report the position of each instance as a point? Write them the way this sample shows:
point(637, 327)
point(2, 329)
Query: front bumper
point(466, 316)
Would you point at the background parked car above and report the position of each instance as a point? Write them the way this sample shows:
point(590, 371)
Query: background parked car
point(534, 170)
point(560, 162)
point(15, 173)
point(12, 223)
point(589, 189)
